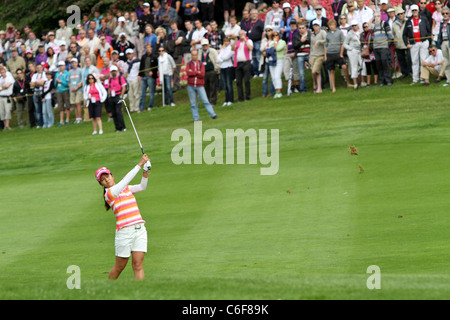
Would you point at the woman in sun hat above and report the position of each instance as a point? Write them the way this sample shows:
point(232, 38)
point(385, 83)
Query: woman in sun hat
point(131, 235)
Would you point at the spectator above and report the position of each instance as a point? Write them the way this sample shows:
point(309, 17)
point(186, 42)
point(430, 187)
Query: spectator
point(32, 42)
point(313, 14)
point(168, 14)
point(62, 93)
point(353, 45)
point(190, 9)
point(336, 8)
point(37, 83)
point(274, 16)
point(62, 55)
point(403, 54)
point(290, 60)
point(16, 62)
point(166, 67)
point(134, 93)
point(334, 52)
point(120, 64)
point(157, 12)
point(134, 38)
point(225, 58)
point(97, 19)
point(318, 38)
point(51, 65)
point(148, 71)
point(46, 96)
point(150, 37)
point(348, 11)
point(41, 56)
point(368, 56)
point(64, 33)
point(362, 13)
point(145, 18)
point(436, 20)
point(105, 31)
point(173, 46)
point(288, 16)
point(73, 53)
point(31, 67)
point(276, 69)
point(104, 51)
point(105, 74)
point(76, 89)
point(187, 41)
point(232, 30)
point(196, 78)
point(161, 34)
point(111, 22)
point(301, 10)
point(123, 27)
point(198, 35)
point(323, 22)
point(266, 42)
point(425, 13)
point(228, 10)
point(381, 35)
point(242, 63)
point(255, 30)
point(116, 91)
point(443, 40)
point(93, 41)
point(302, 45)
point(20, 89)
point(94, 95)
point(259, 5)
point(212, 68)
point(415, 36)
point(122, 46)
point(383, 6)
point(6, 90)
point(434, 64)
point(215, 36)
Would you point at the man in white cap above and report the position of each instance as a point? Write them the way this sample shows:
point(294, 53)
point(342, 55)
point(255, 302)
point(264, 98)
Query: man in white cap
point(122, 27)
point(132, 76)
point(416, 34)
point(384, 4)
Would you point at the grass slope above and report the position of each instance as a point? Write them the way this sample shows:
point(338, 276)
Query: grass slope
point(225, 231)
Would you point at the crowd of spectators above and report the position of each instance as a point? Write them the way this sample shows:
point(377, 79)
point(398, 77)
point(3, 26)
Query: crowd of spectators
point(81, 70)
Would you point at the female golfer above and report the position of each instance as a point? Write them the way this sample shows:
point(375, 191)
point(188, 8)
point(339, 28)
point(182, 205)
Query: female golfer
point(131, 235)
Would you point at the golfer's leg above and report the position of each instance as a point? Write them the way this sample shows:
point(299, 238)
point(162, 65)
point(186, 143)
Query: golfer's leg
point(138, 264)
point(121, 263)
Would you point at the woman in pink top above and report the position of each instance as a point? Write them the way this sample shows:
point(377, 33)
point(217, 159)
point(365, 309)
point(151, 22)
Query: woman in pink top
point(95, 94)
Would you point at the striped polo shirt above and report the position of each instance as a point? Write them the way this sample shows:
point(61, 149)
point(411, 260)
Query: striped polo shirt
point(125, 208)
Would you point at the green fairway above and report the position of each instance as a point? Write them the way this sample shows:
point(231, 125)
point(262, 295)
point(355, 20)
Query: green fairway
point(227, 232)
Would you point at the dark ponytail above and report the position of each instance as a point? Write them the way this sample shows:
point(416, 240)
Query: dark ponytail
point(106, 203)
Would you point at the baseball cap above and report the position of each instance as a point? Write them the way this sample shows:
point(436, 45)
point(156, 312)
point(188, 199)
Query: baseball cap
point(354, 22)
point(129, 50)
point(101, 171)
point(383, 2)
point(414, 7)
point(204, 42)
point(61, 63)
point(121, 19)
point(115, 52)
point(74, 60)
point(146, 4)
point(113, 68)
point(268, 27)
point(286, 5)
point(316, 22)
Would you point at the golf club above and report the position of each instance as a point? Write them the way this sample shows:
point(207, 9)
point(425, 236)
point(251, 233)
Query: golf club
point(132, 123)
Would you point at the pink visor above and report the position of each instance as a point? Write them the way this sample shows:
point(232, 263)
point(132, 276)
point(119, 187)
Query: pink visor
point(101, 171)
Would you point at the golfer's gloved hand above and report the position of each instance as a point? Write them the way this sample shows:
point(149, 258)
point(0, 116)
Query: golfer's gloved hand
point(147, 166)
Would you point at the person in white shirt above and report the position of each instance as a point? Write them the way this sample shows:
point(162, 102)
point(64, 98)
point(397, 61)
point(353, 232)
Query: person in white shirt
point(274, 16)
point(198, 34)
point(311, 14)
point(64, 33)
point(434, 65)
point(166, 67)
point(225, 58)
point(134, 92)
point(232, 30)
point(363, 14)
point(6, 90)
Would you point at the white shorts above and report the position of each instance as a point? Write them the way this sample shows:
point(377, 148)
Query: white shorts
point(129, 239)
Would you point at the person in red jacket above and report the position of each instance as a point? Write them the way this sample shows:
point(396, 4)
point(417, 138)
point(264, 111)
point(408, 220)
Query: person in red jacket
point(195, 71)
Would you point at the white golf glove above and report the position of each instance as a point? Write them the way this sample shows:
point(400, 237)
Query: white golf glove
point(147, 166)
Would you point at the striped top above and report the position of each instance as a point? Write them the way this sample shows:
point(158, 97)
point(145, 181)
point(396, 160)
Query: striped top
point(125, 208)
point(122, 201)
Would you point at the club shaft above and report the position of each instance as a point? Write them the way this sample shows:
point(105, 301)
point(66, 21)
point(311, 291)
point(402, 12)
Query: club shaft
point(134, 128)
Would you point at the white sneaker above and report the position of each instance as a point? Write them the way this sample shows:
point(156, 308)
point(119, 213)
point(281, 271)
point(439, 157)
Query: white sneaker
point(225, 104)
point(94, 133)
point(100, 132)
point(172, 104)
point(230, 103)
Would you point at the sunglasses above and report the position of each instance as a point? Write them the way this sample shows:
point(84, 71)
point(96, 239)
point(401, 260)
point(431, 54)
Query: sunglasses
point(431, 51)
point(445, 13)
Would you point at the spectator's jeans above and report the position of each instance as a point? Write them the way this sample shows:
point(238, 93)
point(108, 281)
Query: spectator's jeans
point(200, 91)
point(168, 95)
point(38, 110)
point(150, 83)
point(301, 70)
point(47, 113)
point(227, 76)
point(266, 80)
point(256, 57)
